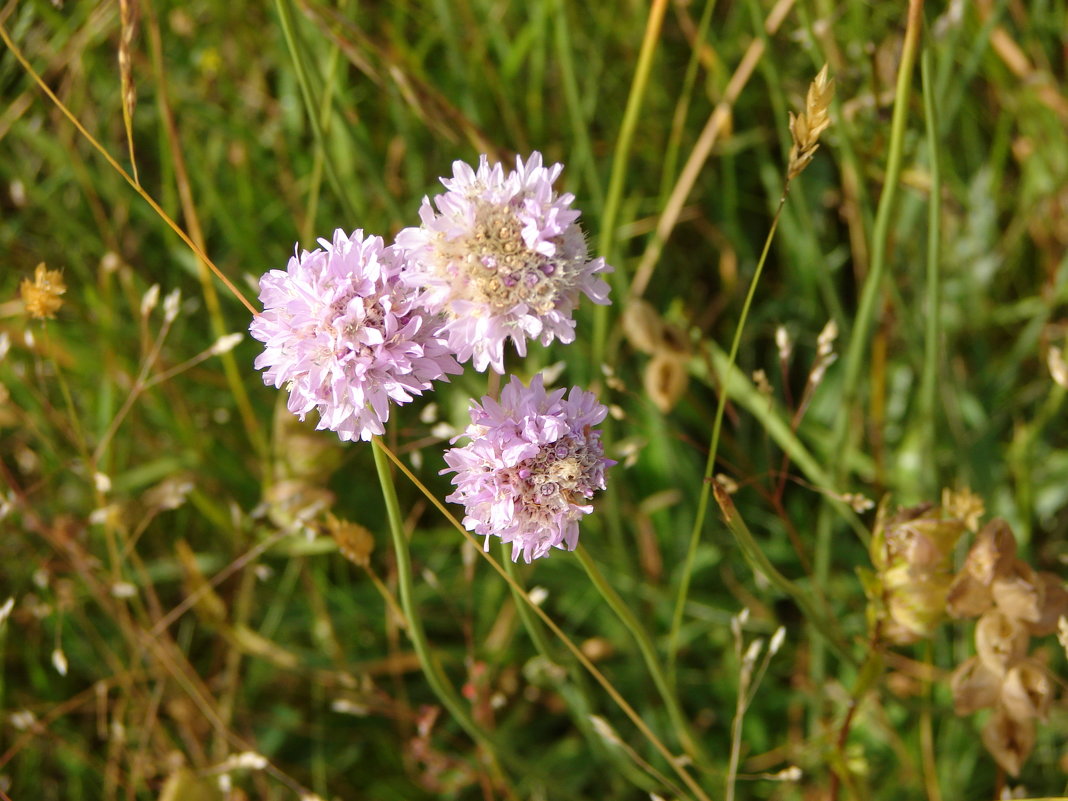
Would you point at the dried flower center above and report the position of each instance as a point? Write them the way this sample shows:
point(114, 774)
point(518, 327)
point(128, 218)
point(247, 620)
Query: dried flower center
point(492, 265)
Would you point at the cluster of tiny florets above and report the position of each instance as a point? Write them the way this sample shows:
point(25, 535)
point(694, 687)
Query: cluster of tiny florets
point(531, 466)
point(354, 325)
point(343, 336)
point(501, 258)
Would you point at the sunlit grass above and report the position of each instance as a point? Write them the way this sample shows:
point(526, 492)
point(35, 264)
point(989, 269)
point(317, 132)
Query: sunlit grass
point(181, 612)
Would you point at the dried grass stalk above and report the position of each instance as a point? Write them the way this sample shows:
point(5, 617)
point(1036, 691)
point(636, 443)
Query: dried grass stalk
point(129, 11)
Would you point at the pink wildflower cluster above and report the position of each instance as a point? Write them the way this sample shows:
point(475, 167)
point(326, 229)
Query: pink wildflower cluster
point(345, 337)
point(502, 258)
point(531, 466)
point(356, 324)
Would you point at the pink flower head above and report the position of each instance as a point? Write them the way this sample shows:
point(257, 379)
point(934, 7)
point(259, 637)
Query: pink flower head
point(532, 464)
point(344, 337)
point(502, 257)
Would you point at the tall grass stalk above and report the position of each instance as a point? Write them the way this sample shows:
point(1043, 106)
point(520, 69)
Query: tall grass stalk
point(713, 447)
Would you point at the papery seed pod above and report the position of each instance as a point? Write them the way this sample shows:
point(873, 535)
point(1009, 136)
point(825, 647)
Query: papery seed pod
point(1054, 605)
point(675, 341)
point(968, 597)
point(974, 686)
point(993, 553)
point(665, 380)
point(1009, 741)
point(1000, 641)
point(915, 607)
point(353, 540)
point(911, 553)
point(1019, 594)
point(1027, 691)
point(642, 326)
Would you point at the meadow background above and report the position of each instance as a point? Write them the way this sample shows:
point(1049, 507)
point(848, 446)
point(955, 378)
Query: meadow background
point(176, 634)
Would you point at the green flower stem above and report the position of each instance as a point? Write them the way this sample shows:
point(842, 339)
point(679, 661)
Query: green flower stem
point(550, 624)
point(710, 463)
point(439, 683)
point(645, 644)
point(575, 692)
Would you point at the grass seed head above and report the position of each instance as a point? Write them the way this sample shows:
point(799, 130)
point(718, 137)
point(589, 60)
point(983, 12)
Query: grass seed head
point(806, 127)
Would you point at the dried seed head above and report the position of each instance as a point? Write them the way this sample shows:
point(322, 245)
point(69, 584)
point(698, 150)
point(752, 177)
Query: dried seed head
point(1019, 594)
point(642, 326)
point(1054, 605)
point(1027, 691)
point(353, 540)
point(993, 553)
point(974, 686)
point(1000, 641)
point(967, 596)
point(665, 380)
point(911, 553)
point(806, 127)
point(1009, 741)
point(41, 296)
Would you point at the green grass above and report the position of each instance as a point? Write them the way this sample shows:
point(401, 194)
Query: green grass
point(262, 125)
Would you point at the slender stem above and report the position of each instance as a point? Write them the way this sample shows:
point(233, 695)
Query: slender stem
point(881, 234)
point(199, 252)
point(439, 683)
point(929, 383)
point(312, 105)
point(645, 644)
point(710, 463)
point(927, 742)
point(822, 623)
point(609, 221)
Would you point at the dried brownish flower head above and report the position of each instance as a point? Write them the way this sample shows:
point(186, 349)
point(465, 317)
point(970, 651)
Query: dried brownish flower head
point(806, 127)
point(911, 553)
point(41, 296)
point(1009, 740)
point(353, 540)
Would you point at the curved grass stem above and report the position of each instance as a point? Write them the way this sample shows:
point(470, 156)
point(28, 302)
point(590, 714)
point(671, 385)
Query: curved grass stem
point(710, 463)
point(652, 661)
